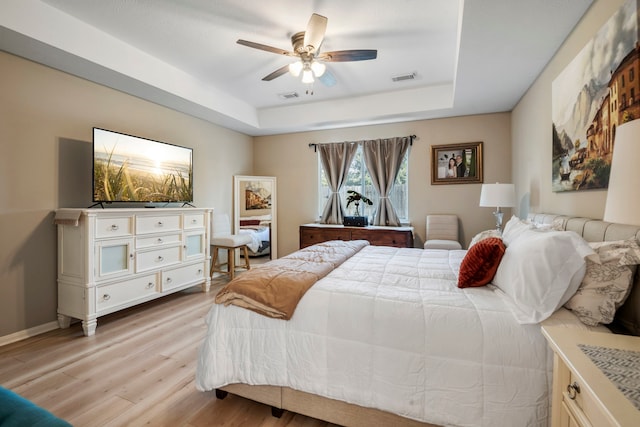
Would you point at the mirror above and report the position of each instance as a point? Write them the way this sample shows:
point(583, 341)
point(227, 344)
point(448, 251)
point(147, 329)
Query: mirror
point(255, 213)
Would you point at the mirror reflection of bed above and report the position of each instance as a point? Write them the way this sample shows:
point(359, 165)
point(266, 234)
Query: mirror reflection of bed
point(259, 228)
point(255, 215)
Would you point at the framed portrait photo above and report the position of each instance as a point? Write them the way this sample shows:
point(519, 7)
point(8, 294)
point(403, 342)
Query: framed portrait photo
point(456, 163)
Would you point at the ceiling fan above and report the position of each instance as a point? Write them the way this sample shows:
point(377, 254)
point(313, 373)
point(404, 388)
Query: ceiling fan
point(306, 47)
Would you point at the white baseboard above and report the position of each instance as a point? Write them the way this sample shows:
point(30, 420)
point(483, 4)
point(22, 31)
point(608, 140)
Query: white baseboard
point(27, 333)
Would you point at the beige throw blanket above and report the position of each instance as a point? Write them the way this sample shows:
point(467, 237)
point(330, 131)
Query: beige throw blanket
point(275, 289)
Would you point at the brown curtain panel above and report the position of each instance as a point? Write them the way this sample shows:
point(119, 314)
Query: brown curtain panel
point(383, 158)
point(335, 158)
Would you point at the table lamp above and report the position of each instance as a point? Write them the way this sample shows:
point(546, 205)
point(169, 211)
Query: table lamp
point(500, 196)
point(623, 205)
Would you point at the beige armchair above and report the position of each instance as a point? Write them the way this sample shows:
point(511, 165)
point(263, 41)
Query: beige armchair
point(442, 232)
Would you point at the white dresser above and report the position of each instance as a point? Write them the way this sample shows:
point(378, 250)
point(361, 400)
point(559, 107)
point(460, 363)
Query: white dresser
point(110, 259)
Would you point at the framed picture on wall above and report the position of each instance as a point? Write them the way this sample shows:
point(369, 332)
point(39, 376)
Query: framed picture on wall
point(456, 163)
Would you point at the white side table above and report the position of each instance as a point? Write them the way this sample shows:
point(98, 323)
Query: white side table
point(590, 372)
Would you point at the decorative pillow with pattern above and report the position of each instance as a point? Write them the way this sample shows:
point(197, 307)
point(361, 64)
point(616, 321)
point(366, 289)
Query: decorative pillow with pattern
point(480, 263)
point(557, 224)
point(607, 281)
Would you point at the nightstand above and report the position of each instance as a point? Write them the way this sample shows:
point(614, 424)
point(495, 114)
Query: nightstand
point(586, 389)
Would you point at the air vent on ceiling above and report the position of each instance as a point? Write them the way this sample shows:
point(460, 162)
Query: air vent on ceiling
point(288, 95)
point(402, 77)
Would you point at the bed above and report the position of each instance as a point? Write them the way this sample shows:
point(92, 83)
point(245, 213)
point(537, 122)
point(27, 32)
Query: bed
point(370, 342)
point(260, 231)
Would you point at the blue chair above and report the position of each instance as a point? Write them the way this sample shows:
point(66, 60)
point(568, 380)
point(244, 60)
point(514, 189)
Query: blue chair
point(16, 411)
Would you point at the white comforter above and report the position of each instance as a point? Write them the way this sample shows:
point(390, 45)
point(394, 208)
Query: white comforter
point(390, 329)
point(258, 235)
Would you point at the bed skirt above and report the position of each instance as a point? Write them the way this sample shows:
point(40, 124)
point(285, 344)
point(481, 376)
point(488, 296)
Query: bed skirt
point(311, 405)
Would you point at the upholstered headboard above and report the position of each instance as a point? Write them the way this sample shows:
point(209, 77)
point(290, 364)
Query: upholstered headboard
point(627, 318)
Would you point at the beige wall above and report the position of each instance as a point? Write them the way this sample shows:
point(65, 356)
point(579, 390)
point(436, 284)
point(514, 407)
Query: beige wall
point(46, 120)
point(531, 131)
point(289, 158)
point(45, 130)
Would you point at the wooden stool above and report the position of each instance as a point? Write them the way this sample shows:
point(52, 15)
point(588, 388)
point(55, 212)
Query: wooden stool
point(231, 259)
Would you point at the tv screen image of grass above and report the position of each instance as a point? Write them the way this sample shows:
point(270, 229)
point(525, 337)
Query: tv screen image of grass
point(133, 169)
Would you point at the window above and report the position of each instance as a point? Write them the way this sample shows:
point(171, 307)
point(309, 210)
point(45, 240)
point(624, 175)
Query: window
point(359, 180)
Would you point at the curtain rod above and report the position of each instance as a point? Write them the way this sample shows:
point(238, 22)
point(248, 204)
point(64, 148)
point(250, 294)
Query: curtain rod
point(315, 146)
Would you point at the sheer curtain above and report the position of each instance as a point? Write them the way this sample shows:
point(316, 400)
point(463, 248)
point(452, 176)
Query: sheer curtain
point(336, 159)
point(383, 158)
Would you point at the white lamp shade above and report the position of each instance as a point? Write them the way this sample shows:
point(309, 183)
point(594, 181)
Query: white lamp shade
point(307, 76)
point(318, 68)
point(295, 68)
point(498, 195)
point(623, 204)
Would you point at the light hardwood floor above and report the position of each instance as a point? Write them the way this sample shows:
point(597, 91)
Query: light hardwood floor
point(138, 369)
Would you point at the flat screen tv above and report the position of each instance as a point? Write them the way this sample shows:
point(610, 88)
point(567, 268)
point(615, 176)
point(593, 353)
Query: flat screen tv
point(128, 168)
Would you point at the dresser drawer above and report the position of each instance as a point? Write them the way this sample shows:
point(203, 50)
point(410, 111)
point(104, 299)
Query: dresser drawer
point(581, 406)
point(114, 227)
point(158, 258)
point(311, 236)
point(398, 239)
point(157, 223)
point(122, 293)
point(192, 221)
point(183, 275)
point(157, 241)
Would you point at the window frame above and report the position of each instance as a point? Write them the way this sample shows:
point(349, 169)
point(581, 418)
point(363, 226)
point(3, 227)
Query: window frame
point(365, 210)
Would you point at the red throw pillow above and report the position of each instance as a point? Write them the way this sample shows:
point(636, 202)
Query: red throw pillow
point(249, 222)
point(481, 263)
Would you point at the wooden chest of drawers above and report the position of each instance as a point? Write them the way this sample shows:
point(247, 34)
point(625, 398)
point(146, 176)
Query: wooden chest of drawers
point(399, 237)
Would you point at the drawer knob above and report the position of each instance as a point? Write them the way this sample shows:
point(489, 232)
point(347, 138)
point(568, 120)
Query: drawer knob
point(106, 297)
point(169, 280)
point(159, 240)
point(114, 227)
point(159, 259)
point(160, 224)
point(573, 390)
point(193, 221)
point(149, 285)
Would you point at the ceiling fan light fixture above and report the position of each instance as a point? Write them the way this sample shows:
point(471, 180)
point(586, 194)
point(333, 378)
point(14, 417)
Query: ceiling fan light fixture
point(307, 76)
point(318, 68)
point(306, 46)
point(296, 68)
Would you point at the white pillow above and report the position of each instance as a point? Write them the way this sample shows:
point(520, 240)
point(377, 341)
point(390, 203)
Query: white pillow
point(540, 271)
point(514, 228)
point(484, 235)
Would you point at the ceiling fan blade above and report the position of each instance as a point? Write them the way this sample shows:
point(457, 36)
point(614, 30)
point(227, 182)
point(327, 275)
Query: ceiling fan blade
point(277, 73)
point(265, 47)
point(314, 34)
point(327, 78)
point(348, 55)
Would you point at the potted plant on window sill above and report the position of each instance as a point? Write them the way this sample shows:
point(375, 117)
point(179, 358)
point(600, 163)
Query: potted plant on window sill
point(356, 198)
